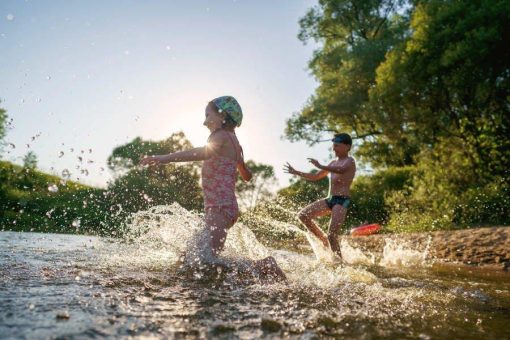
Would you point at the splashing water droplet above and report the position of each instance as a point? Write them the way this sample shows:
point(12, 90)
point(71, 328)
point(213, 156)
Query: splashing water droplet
point(53, 188)
point(90, 150)
point(80, 159)
point(11, 145)
point(60, 154)
point(49, 212)
point(168, 48)
point(10, 17)
point(48, 77)
point(66, 173)
point(76, 223)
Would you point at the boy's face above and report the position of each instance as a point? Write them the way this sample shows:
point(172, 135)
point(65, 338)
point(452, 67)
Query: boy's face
point(213, 120)
point(341, 149)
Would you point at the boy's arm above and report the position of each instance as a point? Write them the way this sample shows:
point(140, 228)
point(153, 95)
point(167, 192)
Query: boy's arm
point(308, 176)
point(334, 168)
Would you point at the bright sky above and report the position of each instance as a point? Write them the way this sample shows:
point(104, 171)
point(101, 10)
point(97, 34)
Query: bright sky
point(92, 75)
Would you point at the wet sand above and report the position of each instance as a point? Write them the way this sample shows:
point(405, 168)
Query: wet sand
point(487, 247)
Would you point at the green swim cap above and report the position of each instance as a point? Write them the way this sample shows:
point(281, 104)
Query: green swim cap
point(230, 107)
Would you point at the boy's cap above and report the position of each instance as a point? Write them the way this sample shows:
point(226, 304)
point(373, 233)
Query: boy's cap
point(342, 138)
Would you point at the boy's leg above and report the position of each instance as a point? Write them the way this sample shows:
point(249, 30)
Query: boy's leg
point(218, 223)
point(311, 211)
point(338, 214)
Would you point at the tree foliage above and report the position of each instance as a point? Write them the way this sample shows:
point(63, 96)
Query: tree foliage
point(135, 188)
point(402, 75)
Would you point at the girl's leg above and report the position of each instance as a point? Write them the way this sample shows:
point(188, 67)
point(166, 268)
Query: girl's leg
point(269, 268)
point(311, 211)
point(218, 223)
point(338, 214)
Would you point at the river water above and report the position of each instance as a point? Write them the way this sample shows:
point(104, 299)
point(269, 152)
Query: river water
point(71, 286)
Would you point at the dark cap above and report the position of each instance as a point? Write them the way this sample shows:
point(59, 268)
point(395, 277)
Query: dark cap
point(342, 138)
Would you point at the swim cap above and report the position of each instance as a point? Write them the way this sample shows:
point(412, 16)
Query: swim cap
point(342, 138)
point(230, 107)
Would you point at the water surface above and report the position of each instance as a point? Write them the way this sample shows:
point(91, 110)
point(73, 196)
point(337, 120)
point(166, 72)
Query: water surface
point(54, 285)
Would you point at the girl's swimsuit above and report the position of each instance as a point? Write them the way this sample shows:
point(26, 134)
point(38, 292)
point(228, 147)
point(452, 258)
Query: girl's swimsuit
point(219, 174)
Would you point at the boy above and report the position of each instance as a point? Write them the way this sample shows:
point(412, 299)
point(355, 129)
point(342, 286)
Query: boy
point(342, 172)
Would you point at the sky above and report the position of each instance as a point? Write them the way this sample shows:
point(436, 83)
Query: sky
point(79, 78)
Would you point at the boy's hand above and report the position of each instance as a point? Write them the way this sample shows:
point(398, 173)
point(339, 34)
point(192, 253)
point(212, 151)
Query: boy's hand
point(289, 169)
point(150, 160)
point(314, 162)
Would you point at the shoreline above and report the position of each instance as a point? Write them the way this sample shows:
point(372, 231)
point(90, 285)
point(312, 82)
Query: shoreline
point(487, 247)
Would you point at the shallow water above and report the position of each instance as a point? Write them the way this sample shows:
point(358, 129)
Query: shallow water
point(80, 286)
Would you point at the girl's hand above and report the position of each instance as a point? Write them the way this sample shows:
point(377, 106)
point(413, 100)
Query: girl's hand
point(289, 169)
point(314, 162)
point(246, 174)
point(150, 160)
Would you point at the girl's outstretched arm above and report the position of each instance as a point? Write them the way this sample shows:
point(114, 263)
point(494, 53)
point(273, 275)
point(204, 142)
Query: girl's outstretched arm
point(196, 154)
point(308, 176)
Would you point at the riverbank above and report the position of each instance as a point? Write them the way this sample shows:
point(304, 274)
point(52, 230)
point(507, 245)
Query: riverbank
point(487, 247)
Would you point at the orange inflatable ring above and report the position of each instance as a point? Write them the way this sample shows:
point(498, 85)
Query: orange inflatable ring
point(367, 229)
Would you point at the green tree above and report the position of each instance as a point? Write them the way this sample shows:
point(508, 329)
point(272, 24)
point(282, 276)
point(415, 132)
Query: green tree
point(3, 127)
point(354, 37)
point(30, 161)
point(450, 79)
point(135, 188)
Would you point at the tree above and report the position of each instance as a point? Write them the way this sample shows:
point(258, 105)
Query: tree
point(450, 79)
point(259, 188)
point(30, 161)
point(3, 127)
point(135, 188)
point(355, 37)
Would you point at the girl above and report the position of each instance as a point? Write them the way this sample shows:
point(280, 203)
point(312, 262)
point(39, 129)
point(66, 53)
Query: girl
point(342, 172)
point(222, 157)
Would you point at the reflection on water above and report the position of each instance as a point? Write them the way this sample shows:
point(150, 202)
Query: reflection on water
point(63, 285)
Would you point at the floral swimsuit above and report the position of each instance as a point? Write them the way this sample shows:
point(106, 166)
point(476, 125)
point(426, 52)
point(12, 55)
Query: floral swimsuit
point(219, 174)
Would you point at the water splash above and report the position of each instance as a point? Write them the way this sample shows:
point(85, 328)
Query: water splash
point(53, 188)
point(166, 237)
point(399, 254)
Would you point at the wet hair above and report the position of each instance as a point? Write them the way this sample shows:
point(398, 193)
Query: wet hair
point(342, 138)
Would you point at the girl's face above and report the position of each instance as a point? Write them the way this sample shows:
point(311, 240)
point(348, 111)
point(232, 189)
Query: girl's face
point(213, 120)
